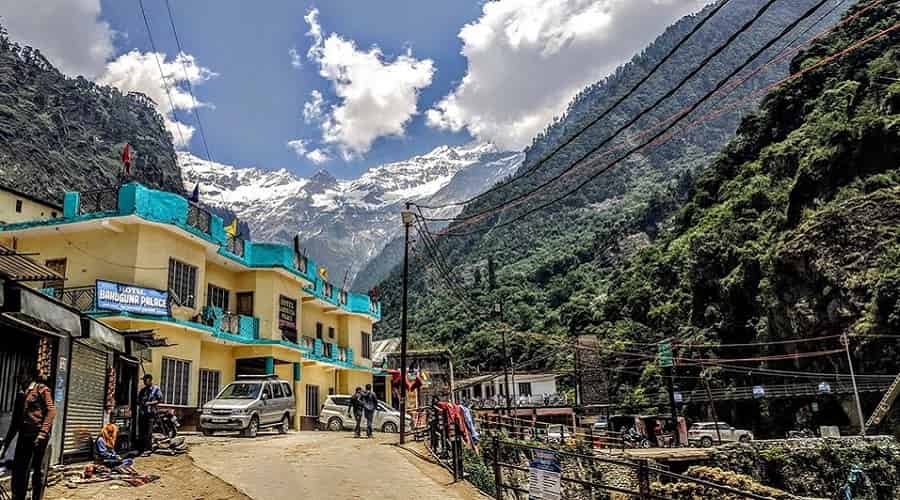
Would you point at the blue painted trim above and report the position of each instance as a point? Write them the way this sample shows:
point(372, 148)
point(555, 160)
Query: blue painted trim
point(270, 365)
point(170, 208)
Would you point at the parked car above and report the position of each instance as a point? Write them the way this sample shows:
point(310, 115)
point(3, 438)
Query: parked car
point(557, 433)
point(248, 405)
point(704, 434)
point(336, 416)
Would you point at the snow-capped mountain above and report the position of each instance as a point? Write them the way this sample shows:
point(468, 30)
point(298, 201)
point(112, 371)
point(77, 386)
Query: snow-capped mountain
point(345, 223)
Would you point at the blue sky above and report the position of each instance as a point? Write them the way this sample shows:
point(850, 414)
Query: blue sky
point(443, 72)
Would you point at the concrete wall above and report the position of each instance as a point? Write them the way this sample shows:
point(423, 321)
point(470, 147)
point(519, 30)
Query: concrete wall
point(31, 210)
point(315, 375)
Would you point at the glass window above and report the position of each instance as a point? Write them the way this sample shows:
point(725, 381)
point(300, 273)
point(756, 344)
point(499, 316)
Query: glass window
point(366, 346)
point(175, 381)
point(183, 282)
point(18, 206)
point(288, 392)
point(209, 385)
point(277, 391)
point(217, 296)
point(241, 390)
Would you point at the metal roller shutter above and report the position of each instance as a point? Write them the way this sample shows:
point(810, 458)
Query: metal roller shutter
point(87, 399)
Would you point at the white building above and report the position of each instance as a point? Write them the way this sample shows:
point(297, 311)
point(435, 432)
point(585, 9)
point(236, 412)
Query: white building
point(526, 389)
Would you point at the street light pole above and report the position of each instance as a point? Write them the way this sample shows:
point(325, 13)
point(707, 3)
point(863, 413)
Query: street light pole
point(407, 217)
point(862, 422)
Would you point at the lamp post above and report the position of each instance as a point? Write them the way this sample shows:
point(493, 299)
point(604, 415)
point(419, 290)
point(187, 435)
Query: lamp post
point(407, 217)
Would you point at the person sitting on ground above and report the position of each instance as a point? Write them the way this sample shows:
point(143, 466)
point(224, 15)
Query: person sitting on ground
point(105, 446)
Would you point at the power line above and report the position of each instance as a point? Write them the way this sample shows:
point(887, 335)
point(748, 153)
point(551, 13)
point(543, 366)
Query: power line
point(162, 74)
point(747, 25)
point(599, 117)
point(187, 79)
point(818, 64)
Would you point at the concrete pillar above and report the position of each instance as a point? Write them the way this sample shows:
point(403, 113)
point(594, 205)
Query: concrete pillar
point(297, 394)
point(270, 365)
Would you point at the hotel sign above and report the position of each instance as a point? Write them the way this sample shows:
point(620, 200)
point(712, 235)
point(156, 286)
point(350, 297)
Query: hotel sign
point(287, 313)
point(133, 299)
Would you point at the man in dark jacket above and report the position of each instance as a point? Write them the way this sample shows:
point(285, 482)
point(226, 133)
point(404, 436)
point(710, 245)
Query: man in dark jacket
point(149, 399)
point(370, 402)
point(355, 407)
point(32, 420)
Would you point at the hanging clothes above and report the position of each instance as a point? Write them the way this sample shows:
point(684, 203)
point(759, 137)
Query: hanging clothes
point(470, 424)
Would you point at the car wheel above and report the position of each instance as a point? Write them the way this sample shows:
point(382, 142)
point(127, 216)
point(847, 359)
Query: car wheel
point(706, 441)
point(285, 425)
point(744, 439)
point(335, 424)
point(252, 428)
point(206, 432)
point(389, 427)
point(645, 444)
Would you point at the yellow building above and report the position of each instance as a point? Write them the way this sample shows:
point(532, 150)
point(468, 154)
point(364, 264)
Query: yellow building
point(142, 259)
point(16, 206)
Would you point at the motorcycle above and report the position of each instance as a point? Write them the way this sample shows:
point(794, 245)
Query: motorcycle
point(635, 441)
point(166, 423)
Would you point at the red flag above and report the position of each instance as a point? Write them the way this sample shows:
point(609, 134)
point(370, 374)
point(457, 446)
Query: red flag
point(126, 158)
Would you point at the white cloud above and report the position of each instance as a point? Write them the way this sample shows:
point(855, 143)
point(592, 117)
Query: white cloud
point(300, 147)
point(68, 32)
point(312, 109)
point(376, 97)
point(138, 72)
point(528, 58)
point(296, 60)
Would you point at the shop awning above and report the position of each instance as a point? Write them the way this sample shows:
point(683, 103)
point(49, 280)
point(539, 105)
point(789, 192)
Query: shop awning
point(18, 267)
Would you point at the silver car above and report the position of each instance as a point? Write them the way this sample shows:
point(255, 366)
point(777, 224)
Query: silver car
point(336, 416)
point(704, 434)
point(248, 405)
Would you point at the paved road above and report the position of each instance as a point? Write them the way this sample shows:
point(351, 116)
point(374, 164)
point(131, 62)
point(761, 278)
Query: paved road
point(325, 465)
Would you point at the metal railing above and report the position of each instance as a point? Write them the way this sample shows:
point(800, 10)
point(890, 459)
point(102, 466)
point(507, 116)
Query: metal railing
point(82, 298)
point(98, 200)
point(235, 245)
point(198, 217)
point(547, 400)
point(777, 391)
point(308, 342)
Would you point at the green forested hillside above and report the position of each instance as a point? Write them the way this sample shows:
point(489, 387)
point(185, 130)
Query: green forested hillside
point(561, 261)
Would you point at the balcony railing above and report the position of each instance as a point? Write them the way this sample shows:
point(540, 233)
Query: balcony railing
point(246, 327)
point(198, 218)
point(329, 350)
point(100, 200)
point(235, 245)
point(82, 298)
point(519, 401)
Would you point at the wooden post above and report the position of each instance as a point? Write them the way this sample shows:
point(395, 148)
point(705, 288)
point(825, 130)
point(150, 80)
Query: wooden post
point(643, 479)
point(498, 479)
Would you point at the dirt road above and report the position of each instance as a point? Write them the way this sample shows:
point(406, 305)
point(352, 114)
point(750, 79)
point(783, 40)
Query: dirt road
point(179, 479)
point(325, 465)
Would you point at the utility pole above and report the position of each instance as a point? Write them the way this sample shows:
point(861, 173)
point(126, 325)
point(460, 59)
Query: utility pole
point(577, 375)
point(407, 217)
point(712, 407)
point(666, 363)
point(498, 311)
point(862, 422)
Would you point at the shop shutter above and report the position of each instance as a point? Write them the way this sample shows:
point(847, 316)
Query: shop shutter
point(87, 399)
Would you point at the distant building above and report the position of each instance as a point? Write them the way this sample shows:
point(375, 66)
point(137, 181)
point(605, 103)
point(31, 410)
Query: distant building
point(434, 368)
point(16, 206)
point(532, 389)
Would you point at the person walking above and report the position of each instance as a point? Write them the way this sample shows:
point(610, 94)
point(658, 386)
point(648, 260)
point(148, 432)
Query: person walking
point(369, 403)
point(149, 398)
point(32, 420)
point(355, 408)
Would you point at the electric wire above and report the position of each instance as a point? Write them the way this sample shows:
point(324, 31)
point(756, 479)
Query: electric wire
point(747, 25)
point(599, 117)
point(462, 222)
point(162, 74)
point(187, 79)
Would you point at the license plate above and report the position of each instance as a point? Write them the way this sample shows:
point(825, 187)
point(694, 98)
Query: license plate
point(220, 420)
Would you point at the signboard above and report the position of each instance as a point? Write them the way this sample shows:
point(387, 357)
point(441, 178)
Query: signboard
point(665, 354)
point(758, 392)
point(678, 397)
point(287, 313)
point(133, 299)
point(824, 388)
point(544, 476)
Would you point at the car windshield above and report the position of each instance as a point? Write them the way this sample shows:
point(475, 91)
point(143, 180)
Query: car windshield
point(240, 390)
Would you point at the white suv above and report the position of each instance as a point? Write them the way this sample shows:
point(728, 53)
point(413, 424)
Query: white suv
point(704, 434)
point(336, 415)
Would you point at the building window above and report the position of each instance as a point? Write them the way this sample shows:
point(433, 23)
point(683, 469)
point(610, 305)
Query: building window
point(524, 388)
point(175, 381)
point(331, 332)
point(366, 346)
point(18, 206)
point(182, 282)
point(53, 215)
point(217, 297)
point(245, 303)
point(312, 400)
point(318, 330)
point(328, 289)
point(210, 381)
